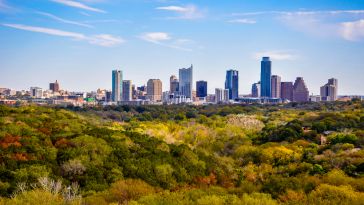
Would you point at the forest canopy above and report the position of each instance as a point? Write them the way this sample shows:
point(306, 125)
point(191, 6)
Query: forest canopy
point(214, 154)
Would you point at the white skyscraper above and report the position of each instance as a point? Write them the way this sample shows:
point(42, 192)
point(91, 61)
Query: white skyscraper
point(328, 92)
point(221, 95)
point(36, 92)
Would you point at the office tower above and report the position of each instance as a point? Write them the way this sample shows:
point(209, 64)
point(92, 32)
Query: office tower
point(127, 94)
point(201, 89)
point(154, 90)
point(173, 84)
point(232, 83)
point(328, 92)
point(54, 86)
point(133, 92)
point(287, 91)
point(300, 91)
point(275, 86)
point(185, 81)
point(221, 95)
point(117, 85)
point(108, 95)
point(36, 92)
point(256, 90)
point(265, 77)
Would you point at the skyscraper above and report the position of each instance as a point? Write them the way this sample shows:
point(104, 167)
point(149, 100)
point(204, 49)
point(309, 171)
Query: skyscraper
point(173, 84)
point(300, 91)
point(117, 85)
point(221, 95)
point(265, 77)
point(328, 92)
point(154, 90)
point(287, 91)
point(127, 90)
point(36, 92)
point(54, 86)
point(275, 86)
point(232, 83)
point(256, 90)
point(185, 81)
point(201, 89)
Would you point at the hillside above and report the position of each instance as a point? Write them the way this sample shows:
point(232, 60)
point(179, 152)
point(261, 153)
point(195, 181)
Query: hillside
point(292, 154)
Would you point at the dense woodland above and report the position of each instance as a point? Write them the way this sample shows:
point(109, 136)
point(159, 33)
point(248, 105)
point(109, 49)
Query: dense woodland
point(215, 154)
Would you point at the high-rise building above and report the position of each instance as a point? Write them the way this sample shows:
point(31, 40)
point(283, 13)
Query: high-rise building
point(300, 91)
point(287, 91)
point(185, 81)
point(265, 77)
point(173, 84)
point(221, 95)
point(256, 90)
point(127, 93)
point(117, 85)
point(232, 83)
point(54, 86)
point(108, 95)
point(328, 92)
point(201, 89)
point(36, 92)
point(154, 90)
point(275, 86)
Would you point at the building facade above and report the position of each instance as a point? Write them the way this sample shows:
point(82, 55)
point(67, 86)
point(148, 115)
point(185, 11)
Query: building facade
point(275, 86)
point(154, 90)
point(221, 95)
point(127, 94)
point(300, 91)
point(185, 81)
point(117, 85)
point(201, 89)
point(232, 83)
point(287, 91)
point(36, 92)
point(173, 84)
point(256, 90)
point(265, 77)
point(329, 91)
point(54, 86)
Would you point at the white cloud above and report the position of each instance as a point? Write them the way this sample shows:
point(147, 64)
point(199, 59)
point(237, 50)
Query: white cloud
point(79, 5)
point(64, 20)
point(105, 40)
point(186, 12)
point(320, 23)
point(243, 21)
point(276, 55)
point(353, 31)
point(155, 37)
point(303, 12)
point(164, 39)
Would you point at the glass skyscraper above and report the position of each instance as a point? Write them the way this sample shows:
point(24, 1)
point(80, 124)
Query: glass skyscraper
point(185, 81)
point(265, 77)
point(117, 85)
point(232, 84)
point(201, 89)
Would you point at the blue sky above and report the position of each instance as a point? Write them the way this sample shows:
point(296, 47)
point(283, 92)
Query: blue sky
point(79, 42)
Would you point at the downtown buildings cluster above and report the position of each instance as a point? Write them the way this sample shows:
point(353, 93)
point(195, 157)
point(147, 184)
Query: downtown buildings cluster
point(182, 90)
point(270, 89)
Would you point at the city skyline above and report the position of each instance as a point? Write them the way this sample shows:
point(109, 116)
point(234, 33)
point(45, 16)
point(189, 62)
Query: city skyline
point(65, 41)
